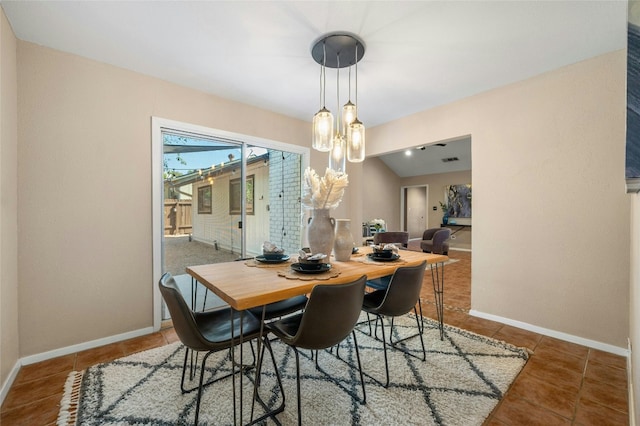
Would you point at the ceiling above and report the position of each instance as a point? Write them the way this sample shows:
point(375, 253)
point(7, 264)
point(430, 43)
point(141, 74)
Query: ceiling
point(419, 54)
point(426, 160)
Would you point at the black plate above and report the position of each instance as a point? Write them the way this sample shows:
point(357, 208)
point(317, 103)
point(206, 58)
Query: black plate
point(393, 257)
point(324, 268)
point(265, 260)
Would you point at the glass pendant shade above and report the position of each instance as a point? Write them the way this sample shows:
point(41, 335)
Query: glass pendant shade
point(355, 147)
point(349, 113)
point(337, 158)
point(323, 130)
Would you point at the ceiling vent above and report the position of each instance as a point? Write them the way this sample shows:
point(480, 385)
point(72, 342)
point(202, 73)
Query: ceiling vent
point(450, 159)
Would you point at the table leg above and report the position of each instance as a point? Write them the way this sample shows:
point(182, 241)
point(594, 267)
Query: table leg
point(256, 383)
point(241, 361)
point(194, 289)
point(258, 364)
point(437, 276)
point(233, 368)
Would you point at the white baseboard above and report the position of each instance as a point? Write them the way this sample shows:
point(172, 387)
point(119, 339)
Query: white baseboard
point(10, 379)
point(553, 333)
point(632, 412)
point(31, 359)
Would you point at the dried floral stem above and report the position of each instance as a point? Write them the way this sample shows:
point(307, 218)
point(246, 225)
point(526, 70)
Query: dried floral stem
point(327, 197)
point(325, 192)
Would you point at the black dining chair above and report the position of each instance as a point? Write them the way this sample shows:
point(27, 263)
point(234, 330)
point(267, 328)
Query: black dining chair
point(382, 283)
point(329, 317)
point(399, 298)
point(211, 332)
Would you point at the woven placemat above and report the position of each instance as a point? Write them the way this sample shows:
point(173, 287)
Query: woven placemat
point(366, 259)
point(257, 264)
point(293, 275)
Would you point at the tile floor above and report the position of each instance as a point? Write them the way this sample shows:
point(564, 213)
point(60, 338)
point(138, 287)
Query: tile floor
point(562, 383)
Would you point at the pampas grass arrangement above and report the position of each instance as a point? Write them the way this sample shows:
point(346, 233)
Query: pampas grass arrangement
point(323, 192)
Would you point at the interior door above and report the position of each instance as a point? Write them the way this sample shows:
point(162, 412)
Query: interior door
point(416, 210)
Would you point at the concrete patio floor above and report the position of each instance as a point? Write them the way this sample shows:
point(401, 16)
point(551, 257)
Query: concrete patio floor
point(179, 253)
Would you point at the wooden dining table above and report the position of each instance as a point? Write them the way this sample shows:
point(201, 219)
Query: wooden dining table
point(250, 283)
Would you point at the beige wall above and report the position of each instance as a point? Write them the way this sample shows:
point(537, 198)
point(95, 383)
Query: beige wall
point(85, 255)
point(548, 172)
point(9, 341)
point(381, 193)
point(634, 305)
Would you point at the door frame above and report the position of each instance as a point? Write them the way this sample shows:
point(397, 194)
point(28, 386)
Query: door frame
point(403, 204)
point(157, 126)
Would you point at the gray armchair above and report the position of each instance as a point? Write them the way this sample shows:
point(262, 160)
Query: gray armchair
point(435, 240)
point(396, 237)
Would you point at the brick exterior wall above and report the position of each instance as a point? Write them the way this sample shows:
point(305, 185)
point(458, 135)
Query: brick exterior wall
point(284, 195)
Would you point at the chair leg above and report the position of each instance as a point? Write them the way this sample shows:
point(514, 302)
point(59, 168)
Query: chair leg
point(184, 369)
point(421, 326)
point(204, 360)
point(420, 329)
point(298, 386)
point(280, 409)
point(253, 359)
point(204, 304)
point(355, 343)
point(424, 352)
point(192, 372)
point(375, 327)
point(419, 334)
point(384, 347)
point(368, 322)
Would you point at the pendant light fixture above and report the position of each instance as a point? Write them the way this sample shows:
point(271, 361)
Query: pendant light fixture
point(349, 110)
point(323, 120)
point(338, 156)
point(355, 131)
point(347, 141)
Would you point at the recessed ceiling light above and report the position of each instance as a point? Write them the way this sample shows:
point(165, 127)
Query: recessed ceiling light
point(421, 148)
point(408, 153)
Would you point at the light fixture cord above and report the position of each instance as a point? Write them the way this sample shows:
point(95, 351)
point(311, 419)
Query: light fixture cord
point(338, 94)
point(350, 77)
point(321, 68)
point(357, 73)
point(323, 73)
point(283, 233)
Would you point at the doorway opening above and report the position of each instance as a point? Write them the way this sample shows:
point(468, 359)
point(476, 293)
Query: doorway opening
point(414, 210)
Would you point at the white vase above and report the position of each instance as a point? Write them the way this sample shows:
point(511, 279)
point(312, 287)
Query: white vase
point(320, 232)
point(343, 241)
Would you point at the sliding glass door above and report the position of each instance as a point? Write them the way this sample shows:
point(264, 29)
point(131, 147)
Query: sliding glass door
point(222, 197)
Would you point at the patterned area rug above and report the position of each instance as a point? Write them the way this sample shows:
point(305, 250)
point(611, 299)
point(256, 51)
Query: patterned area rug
point(461, 381)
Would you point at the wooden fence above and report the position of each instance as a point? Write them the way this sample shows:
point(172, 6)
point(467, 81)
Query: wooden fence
point(177, 217)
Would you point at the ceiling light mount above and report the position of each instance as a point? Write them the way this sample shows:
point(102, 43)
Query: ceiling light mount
point(338, 44)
